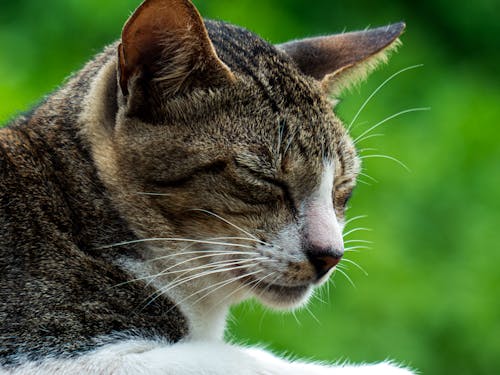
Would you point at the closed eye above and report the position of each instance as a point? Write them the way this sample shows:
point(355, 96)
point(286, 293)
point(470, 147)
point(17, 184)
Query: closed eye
point(260, 179)
point(343, 200)
point(341, 195)
point(215, 167)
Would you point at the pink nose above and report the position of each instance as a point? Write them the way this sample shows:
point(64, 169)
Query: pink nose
point(323, 260)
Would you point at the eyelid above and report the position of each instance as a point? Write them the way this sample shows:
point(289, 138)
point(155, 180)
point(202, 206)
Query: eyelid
point(260, 176)
point(285, 188)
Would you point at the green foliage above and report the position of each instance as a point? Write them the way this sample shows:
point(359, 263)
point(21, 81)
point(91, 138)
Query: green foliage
point(429, 299)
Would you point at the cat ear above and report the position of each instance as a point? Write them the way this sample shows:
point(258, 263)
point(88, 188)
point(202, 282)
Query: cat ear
point(165, 44)
point(340, 61)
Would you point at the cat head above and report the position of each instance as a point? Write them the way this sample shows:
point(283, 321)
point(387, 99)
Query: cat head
point(230, 143)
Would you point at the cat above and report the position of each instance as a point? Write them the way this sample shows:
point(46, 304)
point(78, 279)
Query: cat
point(187, 167)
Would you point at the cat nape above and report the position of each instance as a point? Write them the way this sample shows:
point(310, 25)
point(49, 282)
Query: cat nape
point(189, 166)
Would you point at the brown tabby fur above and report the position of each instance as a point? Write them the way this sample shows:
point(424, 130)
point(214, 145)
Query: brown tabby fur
point(244, 136)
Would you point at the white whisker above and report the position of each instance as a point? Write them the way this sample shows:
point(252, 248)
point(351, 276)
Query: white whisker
point(170, 286)
point(355, 264)
point(377, 90)
point(368, 177)
point(356, 230)
point(167, 239)
point(345, 275)
point(359, 241)
point(364, 182)
point(354, 219)
point(210, 265)
point(228, 262)
point(354, 249)
point(218, 285)
point(387, 157)
point(312, 314)
point(256, 282)
point(387, 119)
point(361, 150)
point(294, 314)
point(315, 295)
point(204, 252)
point(235, 238)
point(222, 262)
point(229, 223)
point(369, 136)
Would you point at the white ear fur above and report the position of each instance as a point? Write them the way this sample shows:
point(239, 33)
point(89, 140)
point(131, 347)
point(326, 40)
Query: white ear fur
point(339, 61)
point(349, 76)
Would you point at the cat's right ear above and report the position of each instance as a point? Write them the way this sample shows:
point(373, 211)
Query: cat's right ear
point(165, 48)
point(340, 61)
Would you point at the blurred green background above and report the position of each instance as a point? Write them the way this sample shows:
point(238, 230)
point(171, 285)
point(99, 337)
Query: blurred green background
point(431, 298)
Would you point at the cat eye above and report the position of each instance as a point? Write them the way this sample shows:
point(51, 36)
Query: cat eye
point(213, 168)
point(345, 199)
point(270, 189)
point(342, 198)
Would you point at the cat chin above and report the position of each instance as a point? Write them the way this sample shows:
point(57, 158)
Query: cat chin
point(281, 297)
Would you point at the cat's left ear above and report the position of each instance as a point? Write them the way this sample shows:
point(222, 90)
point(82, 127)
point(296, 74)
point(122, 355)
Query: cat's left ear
point(166, 46)
point(340, 61)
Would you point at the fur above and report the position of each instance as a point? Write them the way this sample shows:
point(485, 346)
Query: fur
point(189, 166)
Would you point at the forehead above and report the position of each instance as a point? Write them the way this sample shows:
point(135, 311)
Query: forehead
point(272, 110)
point(293, 101)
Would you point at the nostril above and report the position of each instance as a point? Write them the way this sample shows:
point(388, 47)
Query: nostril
point(324, 261)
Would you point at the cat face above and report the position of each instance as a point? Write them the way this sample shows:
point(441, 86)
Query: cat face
point(227, 149)
point(279, 178)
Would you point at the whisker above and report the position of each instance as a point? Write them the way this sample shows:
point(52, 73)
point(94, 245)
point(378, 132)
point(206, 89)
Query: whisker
point(369, 136)
point(294, 314)
point(174, 240)
point(361, 150)
point(354, 219)
point(229, 223)
point(204, 252)
point(378, 89)
point(227, 262)
point(218, 285)
point(312, 314)
point(177, 264)
point(355, 264)
point(389, 118)
point(186, 271)
point(387, 157)
point(355, 249)
point(272, 282)
point(345, 275)
point(235, 238)
point(255, 282)
point(368, 177)
point(364, 182)
point(170, 286)
point(315, 295)
point(356, 230)
point(359, 241)
point(223, 262)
